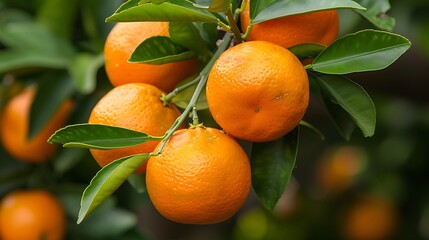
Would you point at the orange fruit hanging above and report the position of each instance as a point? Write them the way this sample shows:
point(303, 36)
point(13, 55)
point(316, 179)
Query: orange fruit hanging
point(120, 44)
point(202, 176)
point(15, 124)
point(136, 106)
point(31, 215)
point(257, 91)
point(316, 27)
point(371, 218)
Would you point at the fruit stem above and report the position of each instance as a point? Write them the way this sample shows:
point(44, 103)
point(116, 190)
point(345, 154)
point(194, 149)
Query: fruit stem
point(203, 79)
point(167, 98)
point(233, 24)
point(240, 9)
point(195, 119)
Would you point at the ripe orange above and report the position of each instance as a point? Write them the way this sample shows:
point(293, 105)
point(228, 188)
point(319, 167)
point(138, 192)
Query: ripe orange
point(122, 41)
point(135, 106)
point(257, 91)
point(202, 176)
point(316, 27)
point(15, 123)
point(372, 218)
point(31, 215)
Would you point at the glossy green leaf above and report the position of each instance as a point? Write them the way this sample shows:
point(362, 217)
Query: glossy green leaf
point(99, 136)
point(106, 181)
point(268, 9)
point(341, 119)
point(365, 50)
point(376, 13)
point(187, 35)
point(352, 98)
point(160, 50)
point(173, 10)
point(52, 91)
point(213, 5)
point(152, 1)
point(84, 71)
point(307, 50)
point(272, 165)
point(209, 33)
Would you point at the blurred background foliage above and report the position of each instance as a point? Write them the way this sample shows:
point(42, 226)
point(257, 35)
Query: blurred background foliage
point(365, 188)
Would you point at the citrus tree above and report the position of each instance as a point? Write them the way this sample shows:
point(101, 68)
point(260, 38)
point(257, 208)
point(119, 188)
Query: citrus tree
point(237, 70)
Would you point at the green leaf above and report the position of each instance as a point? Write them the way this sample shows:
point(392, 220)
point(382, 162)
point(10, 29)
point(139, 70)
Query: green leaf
point(12, 60)
point(152, 1)
point(84, 71)
point(341, 119)
point(34, 38)
point(265, 10)
point(272, 165)
point(58, 16)
point(67, 159)
point(213, 5)
point(187, 35)
point(352, 98)
point(160, 50)
point(52, 91)
point(312, 128)
point(98, 136)
point(106, 181)
point(376, 13)
point(307, 50)
point(173, 10)
point(365, 50)
point(209, 33)
point(119, 221)
point(183, 98)
point(138, 182)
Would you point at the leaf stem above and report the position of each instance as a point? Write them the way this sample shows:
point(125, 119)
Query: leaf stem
point(233, 24)
point(203, 79)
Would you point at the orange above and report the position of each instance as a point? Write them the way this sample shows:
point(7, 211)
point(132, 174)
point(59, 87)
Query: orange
point(371, 218)
point(119, 46)
point(31, 215)
point(15, 124)
point(257, 91)
point(136, 106)
point(338, 169)
point(202, 176)
point(316, 27)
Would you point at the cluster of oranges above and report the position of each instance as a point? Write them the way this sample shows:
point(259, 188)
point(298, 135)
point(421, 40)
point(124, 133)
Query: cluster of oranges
point(256, 91)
